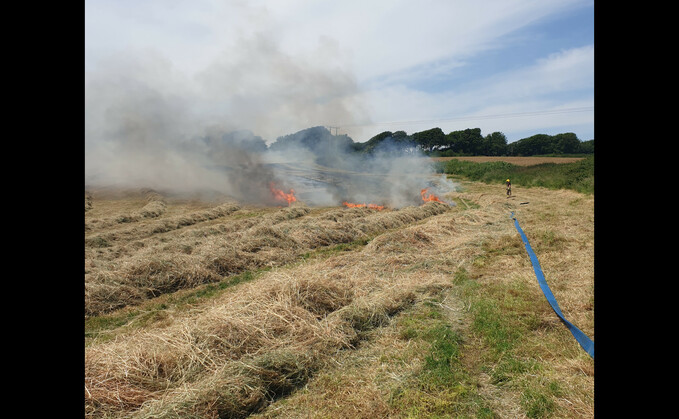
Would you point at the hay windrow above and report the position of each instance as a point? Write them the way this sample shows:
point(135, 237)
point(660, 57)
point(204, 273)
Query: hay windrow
point(189, 261)
point(88, 201)
point(103, 296)
point(256, 343)
point(279, 238)
point(155, 206)
point(153, 210)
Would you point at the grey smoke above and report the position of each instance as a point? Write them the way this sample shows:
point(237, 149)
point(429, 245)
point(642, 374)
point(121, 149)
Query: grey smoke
point(327, 170)
point(148, 125)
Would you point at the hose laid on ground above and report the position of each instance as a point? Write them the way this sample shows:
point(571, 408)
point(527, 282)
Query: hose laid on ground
point(584, 341)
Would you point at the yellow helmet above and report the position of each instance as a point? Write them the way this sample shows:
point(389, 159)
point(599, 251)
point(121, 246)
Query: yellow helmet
point(507, 180)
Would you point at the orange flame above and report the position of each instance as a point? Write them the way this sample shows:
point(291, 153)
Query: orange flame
point(428, 197)
point(279, 195)
point(371, 206)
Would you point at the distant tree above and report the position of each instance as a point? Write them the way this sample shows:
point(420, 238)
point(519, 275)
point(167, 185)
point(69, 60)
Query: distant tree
point(369, 146)
point(401, 135)
point(587, 147)
point(465, 142)
point(402, 142)
point(495, 144)
point(566, 143)
point(327, 148)
point(381, 136)
point(536, 144)
point(388, 141)
point(430, 139)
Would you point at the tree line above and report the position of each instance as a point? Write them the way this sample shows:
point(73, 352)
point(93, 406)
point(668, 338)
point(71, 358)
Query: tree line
point(433, 142)
point(470, 142)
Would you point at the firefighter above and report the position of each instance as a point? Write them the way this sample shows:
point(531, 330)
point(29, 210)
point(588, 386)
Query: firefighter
point(509, 188)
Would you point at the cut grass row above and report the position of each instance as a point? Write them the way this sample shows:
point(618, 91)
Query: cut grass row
point(163, 269)
point(235, 353)
point(509, 356)
point(105, 327)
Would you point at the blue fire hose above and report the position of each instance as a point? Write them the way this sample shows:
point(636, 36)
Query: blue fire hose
point(584, 341)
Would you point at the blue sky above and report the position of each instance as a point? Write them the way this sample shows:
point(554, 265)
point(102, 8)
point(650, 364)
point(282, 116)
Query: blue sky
point(522, 67)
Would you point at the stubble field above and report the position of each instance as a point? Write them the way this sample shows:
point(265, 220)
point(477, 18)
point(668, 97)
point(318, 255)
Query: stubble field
point(519, 161)
point(212, 308)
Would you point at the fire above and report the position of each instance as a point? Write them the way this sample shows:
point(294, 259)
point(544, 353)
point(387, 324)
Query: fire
point(279, 195)
point(371, 206)
point(428, 197)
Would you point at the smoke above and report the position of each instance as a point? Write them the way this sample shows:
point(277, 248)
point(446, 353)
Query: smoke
point(149, 125)
point(326, 169)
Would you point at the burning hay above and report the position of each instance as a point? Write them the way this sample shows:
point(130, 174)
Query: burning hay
point(281, 196)
point(429, 197)
point(371, 206)
point(426, 197)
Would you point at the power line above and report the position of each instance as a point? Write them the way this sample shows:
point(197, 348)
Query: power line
point(477, 117)
point(331, 128)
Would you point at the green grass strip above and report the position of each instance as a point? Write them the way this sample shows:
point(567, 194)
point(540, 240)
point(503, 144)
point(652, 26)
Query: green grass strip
point(443, 387)
point(577, 176)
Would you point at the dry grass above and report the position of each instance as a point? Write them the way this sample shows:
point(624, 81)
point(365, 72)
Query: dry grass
point(259, 341)
point(363, 383)
point(318, 338)
point(154, 205)
point(560, 228)
point(126, 265)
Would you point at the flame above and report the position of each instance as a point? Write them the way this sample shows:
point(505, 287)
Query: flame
point(371, 206)
point(279, 195)
point(428, 197)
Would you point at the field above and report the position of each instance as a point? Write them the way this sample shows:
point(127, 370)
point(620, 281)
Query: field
point(519, 161)
point(205, 308)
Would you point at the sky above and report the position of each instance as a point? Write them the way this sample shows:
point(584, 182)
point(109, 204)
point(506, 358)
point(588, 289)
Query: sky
point(520, 67)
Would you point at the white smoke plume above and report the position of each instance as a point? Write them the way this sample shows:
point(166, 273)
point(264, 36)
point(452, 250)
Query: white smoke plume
point(145, 123)
point(149, 125)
